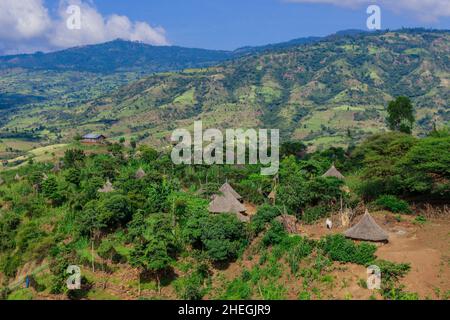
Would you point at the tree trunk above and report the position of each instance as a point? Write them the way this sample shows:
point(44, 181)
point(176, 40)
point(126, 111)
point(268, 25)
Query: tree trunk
point(92, 254)
point(159, 283)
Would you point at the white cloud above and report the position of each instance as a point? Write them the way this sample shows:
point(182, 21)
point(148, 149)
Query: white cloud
point(425, 10)
point(26, 26)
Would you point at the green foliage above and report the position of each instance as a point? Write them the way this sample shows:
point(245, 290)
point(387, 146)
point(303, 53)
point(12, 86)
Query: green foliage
point(73, 157)
point(223, 236)
point(338, 248)
point(274, 235)
point(420, 219)
point(300, 250)
point(393, 204)
point(264, 215)
point(313, 214)
point(391, 273)
point(400, 115)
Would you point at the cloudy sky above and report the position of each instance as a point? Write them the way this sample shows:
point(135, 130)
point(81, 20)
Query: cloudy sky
point(41, 25)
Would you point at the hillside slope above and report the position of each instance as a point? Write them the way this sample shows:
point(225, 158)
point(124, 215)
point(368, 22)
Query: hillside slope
point(333, 91)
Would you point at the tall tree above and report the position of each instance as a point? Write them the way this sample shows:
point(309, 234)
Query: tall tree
point(400, 115)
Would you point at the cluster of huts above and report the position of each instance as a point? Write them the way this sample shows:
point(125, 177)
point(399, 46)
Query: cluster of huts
point(367, 228)
point(227, 200)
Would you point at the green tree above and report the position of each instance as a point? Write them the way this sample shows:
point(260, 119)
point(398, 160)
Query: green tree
point(400, 115)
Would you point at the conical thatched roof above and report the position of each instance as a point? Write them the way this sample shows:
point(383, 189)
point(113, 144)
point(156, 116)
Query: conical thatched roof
point(139, 174)
point(107, 187)
point(225, 203)
point(367, 229)
point(333, 172)
point(226, 188)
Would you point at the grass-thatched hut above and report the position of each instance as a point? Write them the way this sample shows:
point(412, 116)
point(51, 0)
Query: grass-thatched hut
point(140, 173)
point(227, 188)
point(367, 229)
point(107, 187)
point(225, 203)
point(333, 172)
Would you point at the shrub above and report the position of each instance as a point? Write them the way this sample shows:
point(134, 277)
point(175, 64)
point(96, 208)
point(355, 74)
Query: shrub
point(223, 236)
point(312, 214)
point(264, 215)
point(393, 204)
point(238, 289)
point(420, 219)
point(303, 249)
point(190, 287)
point(274, 235)
point(338, 248)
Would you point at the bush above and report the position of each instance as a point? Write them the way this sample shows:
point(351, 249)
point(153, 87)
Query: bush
point(264, 215)
point(393, 204)
point(274, 235)
point(223, 236)
point(312, 214)
point(238, 289)
point(190, 287)
point(420, 219)
point(301, 250)
point(338, 248)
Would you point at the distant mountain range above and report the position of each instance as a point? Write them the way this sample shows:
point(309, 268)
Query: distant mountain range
point(330, 90)
point(127, 56)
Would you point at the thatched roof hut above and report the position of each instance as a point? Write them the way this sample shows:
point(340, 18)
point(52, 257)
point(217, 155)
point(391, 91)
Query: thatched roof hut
point(17, 177)
point(367, 229)
point(225, 203)
point(107, 187)
point(140, 173)
point(333, 172)
point(226, 188)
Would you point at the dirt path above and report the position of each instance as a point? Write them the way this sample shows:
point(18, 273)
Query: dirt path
point(427, 249)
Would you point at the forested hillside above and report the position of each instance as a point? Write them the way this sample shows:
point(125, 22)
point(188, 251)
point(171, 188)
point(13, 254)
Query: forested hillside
point(139, 226)
point(328, 92)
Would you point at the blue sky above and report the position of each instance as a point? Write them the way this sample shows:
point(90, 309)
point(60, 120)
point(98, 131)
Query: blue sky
point(229, 24)
point(215, 24)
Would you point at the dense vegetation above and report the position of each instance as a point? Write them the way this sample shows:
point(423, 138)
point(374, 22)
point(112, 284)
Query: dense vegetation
point(159, 223)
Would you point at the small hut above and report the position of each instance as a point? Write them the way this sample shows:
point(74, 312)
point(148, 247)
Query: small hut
point(17, 177)
point(367, 229)
point(333, 172)
point(139, 174)
point(227, 188)
point(107, 187)
point(226, 203)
